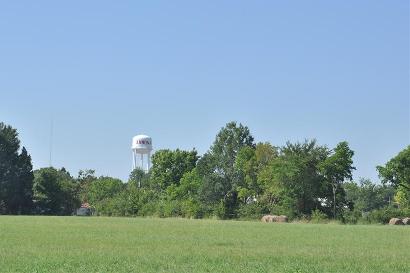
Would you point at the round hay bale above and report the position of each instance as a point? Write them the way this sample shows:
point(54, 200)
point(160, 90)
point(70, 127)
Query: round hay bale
point(396, 221)
point(267, 218)
point(406, 221)
point(280, 218)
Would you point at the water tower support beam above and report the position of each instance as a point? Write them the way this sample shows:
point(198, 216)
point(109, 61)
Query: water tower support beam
point(142, 161)
point(149, 161)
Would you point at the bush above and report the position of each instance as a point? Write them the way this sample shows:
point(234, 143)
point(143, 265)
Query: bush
point(302, 219)
point(318, 217)
point(220, 210)
point(191, 208)
point(172, 208)
point(148, 209)
point(251, 211)
point(384, 215)
point(283, 210)
point(351, 216)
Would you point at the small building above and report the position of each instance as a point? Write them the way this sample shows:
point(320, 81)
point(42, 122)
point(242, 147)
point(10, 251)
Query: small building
point(84, 210)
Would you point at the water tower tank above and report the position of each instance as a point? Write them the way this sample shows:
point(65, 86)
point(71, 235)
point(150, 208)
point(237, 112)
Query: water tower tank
point(141, 147)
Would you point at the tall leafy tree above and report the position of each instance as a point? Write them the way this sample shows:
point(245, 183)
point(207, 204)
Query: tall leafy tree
point(188, 187)
point(250, 162)
point(366, 196)
point(16, 175)
point(55, 192)
point(25, 179)
point(402, 197)
point(246, 167)
point(338, 168)
point(139, 178)
point(104, 188)
point(187, 194)
point(397, 170)
point(217, 168)
point(84, 181)
point(168, 167)
point(292, 182)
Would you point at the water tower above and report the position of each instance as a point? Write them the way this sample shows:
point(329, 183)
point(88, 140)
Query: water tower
point(141, 148)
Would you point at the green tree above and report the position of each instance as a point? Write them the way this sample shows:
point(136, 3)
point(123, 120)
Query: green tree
point(188, 187)
point(367, 196)
point(55, 192)
point(103, 188)
point(187, 194)
point(16, 175)
point(168, 167)
point(246, 168)
point(291, 182)
point(402, 197)
point(139, 178)
point(221, 179)
point(250, 162)
point(84, 179)
point(86, 176)
point(397, 170)
point(25, 178)
point(337, 168)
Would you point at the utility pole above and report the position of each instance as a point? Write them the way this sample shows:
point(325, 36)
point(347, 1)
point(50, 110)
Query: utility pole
point(51, 142)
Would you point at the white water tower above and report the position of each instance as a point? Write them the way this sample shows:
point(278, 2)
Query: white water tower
point(141, 149)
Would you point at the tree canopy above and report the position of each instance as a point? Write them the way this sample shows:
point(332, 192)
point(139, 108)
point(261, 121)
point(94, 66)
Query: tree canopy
point(235, 178)
point(397, 170)
point(16, 174)
point(54, 192)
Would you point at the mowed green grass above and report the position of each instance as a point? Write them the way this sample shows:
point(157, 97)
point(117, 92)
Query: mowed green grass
point(99, 244)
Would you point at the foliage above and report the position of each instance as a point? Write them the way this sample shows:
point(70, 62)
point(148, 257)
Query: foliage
point(250, 163)
point(337, 168)
point(237, 179)
point(384, 214)
point(367, 196)
point(168, 167)
point(351, 216)
point(397, 170)
point(292, 180)
point(16, 175)
point(139, 178)
point(54, 192)
point(402, 197)
point(221, 180)
point(103, 188)
point(318, 217)
point(234, 179)
point(84, 180)
point(254, 210)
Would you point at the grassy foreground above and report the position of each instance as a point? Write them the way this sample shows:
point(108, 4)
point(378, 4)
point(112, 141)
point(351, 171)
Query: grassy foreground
point(75, 244)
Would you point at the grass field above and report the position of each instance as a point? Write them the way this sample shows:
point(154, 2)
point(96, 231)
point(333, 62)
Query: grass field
point(75, 244)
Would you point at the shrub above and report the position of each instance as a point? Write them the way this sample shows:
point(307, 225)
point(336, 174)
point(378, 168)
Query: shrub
point(251, 211)
point(283, 210)
point(350, 216)
point(318, 217)
point(220, 210)
point(385, 214)
point(191, 208)
point(172, 208)
point(148, 209)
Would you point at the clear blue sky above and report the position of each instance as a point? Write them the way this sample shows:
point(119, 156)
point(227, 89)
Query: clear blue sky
point(179, 70)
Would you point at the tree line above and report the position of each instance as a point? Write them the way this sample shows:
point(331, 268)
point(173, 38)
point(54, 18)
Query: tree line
point(235, 178)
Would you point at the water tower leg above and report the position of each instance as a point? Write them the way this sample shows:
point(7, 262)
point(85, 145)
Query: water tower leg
point(149, 161)
point(133, 161)
point(142, 161)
